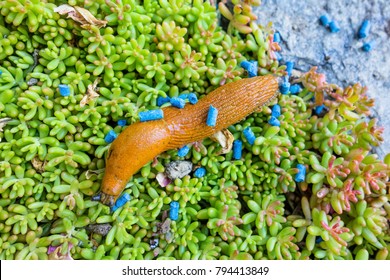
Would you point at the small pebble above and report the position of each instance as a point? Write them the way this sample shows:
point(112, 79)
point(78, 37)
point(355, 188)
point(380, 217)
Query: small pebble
point(153, 243)
point(212, 116)
point(200, 172)
point(324, 20)
point(101, 229)
point(174, 210)
point(122, 122)
point(249, 135)
point(364, 29)
point(334, 27)
point(64, 90)
point(274, 121)
point(276, 110)
point(178, 102)
point(121, 201)
point(165, 227)
point(183, 151)
point(32, 82)
point(178, 169)
point(237, 149)
point(294, 89)
point(151, 115)
point(301, 175)
point(162, 100)
point(251, 67)
point(110, 137)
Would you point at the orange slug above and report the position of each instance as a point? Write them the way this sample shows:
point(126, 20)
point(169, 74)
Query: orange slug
point(140, 142)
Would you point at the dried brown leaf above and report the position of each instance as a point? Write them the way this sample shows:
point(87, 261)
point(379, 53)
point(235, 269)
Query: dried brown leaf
point(89, 173)
point(64, 9)
point(91, 93)
point(81, 15)
point(225, 138)
point(56, 255)
point(38, 165)
point(163, 180)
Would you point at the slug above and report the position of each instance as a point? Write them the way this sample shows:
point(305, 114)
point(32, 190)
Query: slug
point(140, 142)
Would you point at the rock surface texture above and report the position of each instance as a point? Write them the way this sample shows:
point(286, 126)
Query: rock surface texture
point(339, 55)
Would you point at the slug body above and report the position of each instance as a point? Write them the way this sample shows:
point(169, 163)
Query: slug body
point(140, 142)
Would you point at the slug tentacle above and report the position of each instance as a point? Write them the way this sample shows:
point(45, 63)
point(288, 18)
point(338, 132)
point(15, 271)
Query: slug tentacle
point(141, 142)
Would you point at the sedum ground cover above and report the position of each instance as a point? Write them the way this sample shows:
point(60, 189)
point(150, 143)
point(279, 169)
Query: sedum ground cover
point(117, 62)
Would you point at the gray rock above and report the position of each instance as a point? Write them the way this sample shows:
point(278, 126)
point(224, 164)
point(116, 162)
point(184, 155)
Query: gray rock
point(153, 243)
point(178, 169)
point(338, 55)
point(32, 82)
point(101, 229)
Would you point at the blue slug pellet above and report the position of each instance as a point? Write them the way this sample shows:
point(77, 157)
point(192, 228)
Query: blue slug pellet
point(64, 90)
point(237, 149)
point(277, 37)
point(294, 89)
point(192, 98)
point(324, 20)
point(367, 47)
point(364, 29)
point(274, 121)
point(284, 87)
point(276, 110)
point(183, 151)
point(290, 66)
point(178, 102)
point(1, 72)
point(279, 57)
point(212, 116)
point(319, 109)
point(121, 201)
point(162, 100)
point(122, 122)
point(110, 136)
point(249, 135)
point(183, 96)
point(301, 175)
point(251, 67)
point(334, 27)
point(174, 210)
point(200, 172)
point(151, 115)
point(319, 239)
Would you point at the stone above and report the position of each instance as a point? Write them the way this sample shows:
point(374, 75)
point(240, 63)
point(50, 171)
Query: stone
point(178, 169)
point(338, 55)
